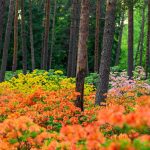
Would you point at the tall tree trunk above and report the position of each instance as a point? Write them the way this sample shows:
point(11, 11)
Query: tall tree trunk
point(97, 32)
point(138, 49)
point(148, 42)
point(69, 66)
point(76, 37)
point(31, 36)
point(102, 20)
point(42, 50)
point(2, 12)
point(23, 37)
point(7, 40)
point(106, 52)
point(142, 34)
point(46, 36)
point(120, 40)
point(82, 52)
point(14, 67)
point(41, 65)
point(130, 40)
point(53, 35)
point(73, 44)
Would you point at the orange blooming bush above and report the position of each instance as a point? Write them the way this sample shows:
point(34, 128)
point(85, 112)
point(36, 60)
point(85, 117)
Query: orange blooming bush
point(21, 133)
point(48, 119)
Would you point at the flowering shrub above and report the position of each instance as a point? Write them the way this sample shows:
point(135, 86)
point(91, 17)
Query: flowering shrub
point(37, 111)
point(122, 88)
point(47, 81)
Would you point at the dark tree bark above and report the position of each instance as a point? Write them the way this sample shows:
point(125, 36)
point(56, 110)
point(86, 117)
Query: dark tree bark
point(46, 36)
point(97, 32)
point(148, 42)
point(31, 36)
point(7, 40)
point(23, 38)
point(76, 37)
point(69, 67)
point(42, 50)
point(120, 40)
point(142, 34)
point(73, 43)
point(41, 66)
point(106, 52)
point(138, 49)
point(82, 52)
point(53, 35)
point(2, 12)
point(14, 67)
point(130, 40)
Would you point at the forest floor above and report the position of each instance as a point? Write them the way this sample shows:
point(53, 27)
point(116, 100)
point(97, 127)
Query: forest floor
point(37, 111)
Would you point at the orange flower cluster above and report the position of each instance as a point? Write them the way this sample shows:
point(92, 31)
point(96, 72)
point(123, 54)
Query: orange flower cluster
point(116, 116)
point(21, 133)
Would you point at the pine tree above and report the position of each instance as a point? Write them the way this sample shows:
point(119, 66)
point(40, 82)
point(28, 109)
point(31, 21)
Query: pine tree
point(31, 36)
point(82, 52)
point(7, 40)
point(2, 12)
point(97, 32)
point(53, 35)
point(23, 37)
point(106, 52)
point(130, 39)
point(148, 42)
point(14, 67)
point(74, 34)
point(46, 36)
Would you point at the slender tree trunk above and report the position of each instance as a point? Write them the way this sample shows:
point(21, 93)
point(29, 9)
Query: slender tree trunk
point(42, 50)
point(102, 20)
point(14, 67)
point(23, 36)
point(46, 35)
point(142, 34)
point(2, 12)
point(31, 36)
point(53, 35)
point(69, 67)
point(130, 41)
point(97, 32)
point(76, 37)
point(120, 40)
point(148, 42)
point(82, 52)
point(73, 44)
point(7, 40)
point(106, 52)
point(138, 49)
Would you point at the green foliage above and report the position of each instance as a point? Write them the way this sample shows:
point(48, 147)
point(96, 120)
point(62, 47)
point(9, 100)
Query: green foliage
point(56, 126)
point(92, 79)
point(2, 118)
point(141, 145)
point(137, 30)
point(10, 74)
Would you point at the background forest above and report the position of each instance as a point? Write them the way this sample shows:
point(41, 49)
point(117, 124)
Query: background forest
point(59, 40)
